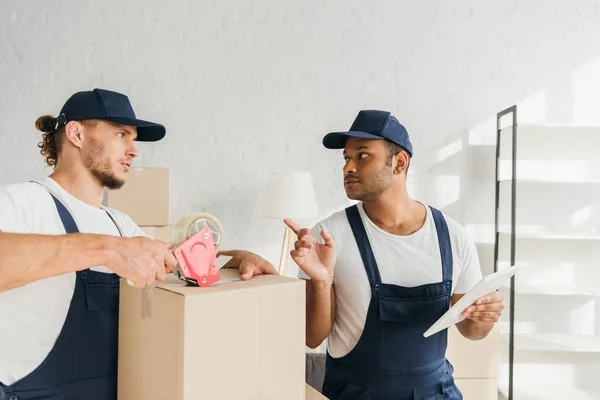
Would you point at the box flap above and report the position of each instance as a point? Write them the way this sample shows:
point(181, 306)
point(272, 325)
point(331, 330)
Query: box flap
point(230, 280)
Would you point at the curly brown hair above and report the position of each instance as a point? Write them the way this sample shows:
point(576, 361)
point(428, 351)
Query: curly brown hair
point(52, 137)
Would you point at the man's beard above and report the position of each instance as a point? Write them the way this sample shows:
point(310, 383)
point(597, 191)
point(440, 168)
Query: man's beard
point(377, 183)
point(100, 166)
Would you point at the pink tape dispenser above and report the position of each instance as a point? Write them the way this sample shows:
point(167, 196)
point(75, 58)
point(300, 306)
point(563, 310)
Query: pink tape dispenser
point(197, 260)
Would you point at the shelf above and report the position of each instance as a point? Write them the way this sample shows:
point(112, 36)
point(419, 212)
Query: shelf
point(551, 181)
point(555, 343)
point(541, 236)
point(559, 130)
point(535, 392)
point(543, 156)
point(534, 290)
point(548, 143)
point(581, 174)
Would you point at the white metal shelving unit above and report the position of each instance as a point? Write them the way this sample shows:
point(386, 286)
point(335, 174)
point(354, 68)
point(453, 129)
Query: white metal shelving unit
point(548, 219)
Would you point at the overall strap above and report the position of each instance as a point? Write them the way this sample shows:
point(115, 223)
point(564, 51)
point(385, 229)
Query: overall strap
point(444, 242)
point(362, 240)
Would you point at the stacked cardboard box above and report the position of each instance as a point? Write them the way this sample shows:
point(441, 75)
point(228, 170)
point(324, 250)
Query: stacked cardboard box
point(475, 364)
point(234, 340)
point(162, 233)
point(145, 198)
point(312, 394)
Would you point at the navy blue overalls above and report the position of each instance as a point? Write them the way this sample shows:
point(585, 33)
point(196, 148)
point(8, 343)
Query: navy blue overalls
point(392, 359)
point(83, 362)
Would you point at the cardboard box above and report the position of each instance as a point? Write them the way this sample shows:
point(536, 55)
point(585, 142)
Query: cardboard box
point(144, 197)
point(312, 394)
point(233, 340)
point(163, 233)
point(474, 358)
point(478, 389)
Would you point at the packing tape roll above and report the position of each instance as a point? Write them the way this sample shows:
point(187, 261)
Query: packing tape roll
point(187, 227)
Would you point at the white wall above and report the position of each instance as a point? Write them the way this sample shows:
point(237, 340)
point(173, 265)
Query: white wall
point(249, 87)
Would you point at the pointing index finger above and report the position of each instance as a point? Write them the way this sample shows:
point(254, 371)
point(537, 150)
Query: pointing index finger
point(292, 225)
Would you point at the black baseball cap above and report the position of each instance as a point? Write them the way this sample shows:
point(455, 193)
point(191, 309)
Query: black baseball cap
point(108, 106)
point(372, 124)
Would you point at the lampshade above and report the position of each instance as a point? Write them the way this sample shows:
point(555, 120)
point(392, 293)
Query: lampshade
point(289, 195)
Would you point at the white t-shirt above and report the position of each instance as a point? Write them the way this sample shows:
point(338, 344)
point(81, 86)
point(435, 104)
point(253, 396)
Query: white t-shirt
point(33, 315)
point(408, 261)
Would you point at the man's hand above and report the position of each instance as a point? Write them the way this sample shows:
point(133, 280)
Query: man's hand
point(141, 260)
point(487, 309)
point(315, 259)
point(250, 264)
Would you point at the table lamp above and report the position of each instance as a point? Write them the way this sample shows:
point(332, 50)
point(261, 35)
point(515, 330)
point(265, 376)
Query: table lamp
point(288, 195)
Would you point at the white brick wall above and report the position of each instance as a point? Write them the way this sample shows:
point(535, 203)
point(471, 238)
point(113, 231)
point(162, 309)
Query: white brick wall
point(249, 87)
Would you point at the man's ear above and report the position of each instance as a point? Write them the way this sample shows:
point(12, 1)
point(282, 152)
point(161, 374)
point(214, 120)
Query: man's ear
point(401, 162)
point(74, 133)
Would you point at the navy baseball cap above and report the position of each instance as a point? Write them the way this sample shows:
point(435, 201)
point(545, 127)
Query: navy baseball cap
point(372, 124)
point(108, 106)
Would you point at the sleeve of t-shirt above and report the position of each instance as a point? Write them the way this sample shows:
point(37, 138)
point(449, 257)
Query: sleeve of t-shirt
point(469, 263)
point(12, 217)
point(316, 233)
